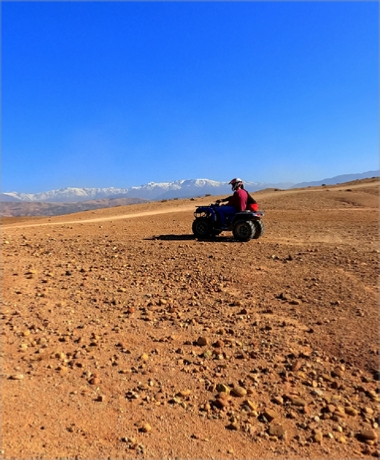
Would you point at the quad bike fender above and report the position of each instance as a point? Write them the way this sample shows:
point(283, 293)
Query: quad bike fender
point(248, 215)
point(205, 211)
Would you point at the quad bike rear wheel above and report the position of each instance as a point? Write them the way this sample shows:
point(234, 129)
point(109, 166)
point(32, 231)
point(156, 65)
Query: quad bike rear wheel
point(244, 230)
point(202, 227)
point(259, 226)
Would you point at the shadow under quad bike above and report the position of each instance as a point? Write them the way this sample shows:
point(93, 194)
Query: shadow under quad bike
point(245, 225)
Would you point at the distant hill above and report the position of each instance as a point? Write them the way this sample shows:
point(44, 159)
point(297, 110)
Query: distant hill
point(72, 199)
point(338, 179)
point(6, 197)
point(22, 209)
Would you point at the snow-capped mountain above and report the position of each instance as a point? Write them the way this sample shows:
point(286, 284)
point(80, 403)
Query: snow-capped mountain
point(151, 191)
point(184, 188)
point(67, 194)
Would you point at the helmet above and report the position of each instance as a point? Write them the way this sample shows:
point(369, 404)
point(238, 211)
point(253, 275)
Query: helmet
point(235, 183)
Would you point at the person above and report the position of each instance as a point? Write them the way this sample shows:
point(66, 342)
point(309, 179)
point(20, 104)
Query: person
point(252, 204)
point(235, 203)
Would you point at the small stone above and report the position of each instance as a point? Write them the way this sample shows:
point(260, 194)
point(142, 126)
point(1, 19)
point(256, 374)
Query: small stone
point(298, 402)
point(184, 393)
point(250, 404)
point(351, 411)
point(278, 400)
point(145, 428)
point(331, 408)
point(276, 430)
point(239, 391)
point(222, 400)
point(295, 302)
point(318, 436)
point(337, 372)
point(17, 377)
point(270, 414)
point(203, 341)
point(368, 435)
point(221, 388)
point(234, 426)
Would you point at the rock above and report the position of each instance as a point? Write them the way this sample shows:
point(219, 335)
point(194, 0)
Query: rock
point(270, 414)
point(368, 435)
point(296, 366)
point(203, 341)
point(221, 388)
point(184, 393)
point(276, 430)
point(222, 400)
point(239, 391)
point(318, 436)
point(250, 404)
point(337, 372)
point(218, 344)
point(145, 428)
point(234, 426)
point(368, 411)
point(298, 402)
point(278, 400)
point(351, 411)
point(16, 377)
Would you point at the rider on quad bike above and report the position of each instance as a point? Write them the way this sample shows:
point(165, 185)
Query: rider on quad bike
point(240, 215)
point(235, 203)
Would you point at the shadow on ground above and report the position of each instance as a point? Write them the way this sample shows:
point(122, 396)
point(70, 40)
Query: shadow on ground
point(224, 239)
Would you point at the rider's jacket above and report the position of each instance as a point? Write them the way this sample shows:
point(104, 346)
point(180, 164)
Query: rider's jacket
point(239, 200)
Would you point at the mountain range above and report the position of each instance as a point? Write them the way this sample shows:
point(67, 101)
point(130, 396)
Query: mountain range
point(73, 199)
point(185, 188)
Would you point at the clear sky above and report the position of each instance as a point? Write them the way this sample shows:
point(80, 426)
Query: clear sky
point(101, 94)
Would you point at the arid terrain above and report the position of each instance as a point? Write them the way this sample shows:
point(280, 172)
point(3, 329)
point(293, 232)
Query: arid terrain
point(123, 336)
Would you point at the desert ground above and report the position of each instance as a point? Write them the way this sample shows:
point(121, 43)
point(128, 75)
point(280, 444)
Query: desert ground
point(123, 336)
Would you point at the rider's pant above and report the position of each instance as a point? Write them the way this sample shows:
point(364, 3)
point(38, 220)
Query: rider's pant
point(226, 213)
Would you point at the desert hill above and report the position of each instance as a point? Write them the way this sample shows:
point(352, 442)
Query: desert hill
point(125, 337)
point(27, 209)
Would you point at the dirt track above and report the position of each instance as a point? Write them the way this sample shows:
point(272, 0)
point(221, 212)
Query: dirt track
point(125, 337)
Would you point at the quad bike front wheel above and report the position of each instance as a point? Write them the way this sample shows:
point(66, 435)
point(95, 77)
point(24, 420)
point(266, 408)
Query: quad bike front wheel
point(202, 227)
point(244, 230)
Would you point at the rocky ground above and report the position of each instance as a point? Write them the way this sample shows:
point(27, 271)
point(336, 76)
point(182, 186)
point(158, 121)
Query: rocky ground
point(125, 337)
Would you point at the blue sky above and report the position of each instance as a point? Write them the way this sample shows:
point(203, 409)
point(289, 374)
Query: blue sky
point(99, 94)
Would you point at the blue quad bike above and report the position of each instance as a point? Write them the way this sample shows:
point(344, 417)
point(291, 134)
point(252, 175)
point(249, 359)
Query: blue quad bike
point(245, 225)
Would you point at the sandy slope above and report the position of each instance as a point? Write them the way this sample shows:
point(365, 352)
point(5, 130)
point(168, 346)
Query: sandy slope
point(125, 337)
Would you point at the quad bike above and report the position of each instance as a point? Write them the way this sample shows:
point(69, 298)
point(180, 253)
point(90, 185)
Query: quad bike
point(245, 225)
